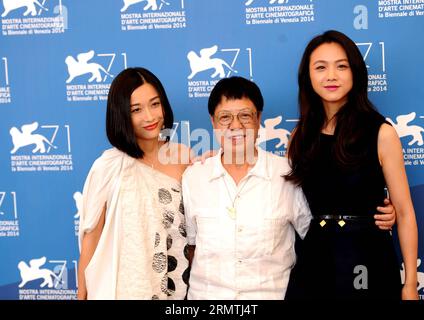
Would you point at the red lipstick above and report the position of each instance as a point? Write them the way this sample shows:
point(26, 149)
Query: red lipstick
point(151, 127)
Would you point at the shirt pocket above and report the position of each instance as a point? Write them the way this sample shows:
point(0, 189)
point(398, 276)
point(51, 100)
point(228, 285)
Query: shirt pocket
point(272, 234)
point(207, 228)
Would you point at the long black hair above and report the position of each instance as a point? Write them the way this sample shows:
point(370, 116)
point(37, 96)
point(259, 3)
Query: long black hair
point(119, 128)
point(351, 119)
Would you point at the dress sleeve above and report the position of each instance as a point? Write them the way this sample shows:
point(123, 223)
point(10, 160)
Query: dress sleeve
point(97, 189)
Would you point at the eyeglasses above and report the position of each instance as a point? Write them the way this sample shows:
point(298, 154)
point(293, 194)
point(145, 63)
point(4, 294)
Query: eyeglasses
point(244, 117)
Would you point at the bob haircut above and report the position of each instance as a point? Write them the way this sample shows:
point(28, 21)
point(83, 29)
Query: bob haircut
point(119, 129)
point(235, 88)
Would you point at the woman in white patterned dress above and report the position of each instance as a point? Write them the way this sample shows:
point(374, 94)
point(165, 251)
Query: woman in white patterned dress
point(132, 228)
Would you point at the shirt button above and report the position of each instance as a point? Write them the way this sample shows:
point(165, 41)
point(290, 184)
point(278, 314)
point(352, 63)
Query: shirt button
point(240, 262)
point(240, 229)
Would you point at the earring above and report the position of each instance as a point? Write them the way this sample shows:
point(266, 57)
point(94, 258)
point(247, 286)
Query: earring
point(162, 133)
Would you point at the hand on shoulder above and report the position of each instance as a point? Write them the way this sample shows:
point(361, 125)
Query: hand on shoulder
point(202, 158)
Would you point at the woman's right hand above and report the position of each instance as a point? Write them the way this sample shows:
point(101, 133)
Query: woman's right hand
point(88, 246)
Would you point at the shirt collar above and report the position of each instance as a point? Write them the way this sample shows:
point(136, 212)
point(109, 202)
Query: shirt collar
point(260, 169)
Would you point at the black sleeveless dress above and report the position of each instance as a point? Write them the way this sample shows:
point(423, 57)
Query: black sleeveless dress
point(356, 260)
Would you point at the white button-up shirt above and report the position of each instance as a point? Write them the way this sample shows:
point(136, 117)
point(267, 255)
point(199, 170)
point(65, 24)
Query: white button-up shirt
point(248, 255)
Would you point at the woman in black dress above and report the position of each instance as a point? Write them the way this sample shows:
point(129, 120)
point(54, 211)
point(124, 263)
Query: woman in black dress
point(343, 154)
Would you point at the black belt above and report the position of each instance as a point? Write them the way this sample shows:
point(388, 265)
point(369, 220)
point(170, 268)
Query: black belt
point(341, 219)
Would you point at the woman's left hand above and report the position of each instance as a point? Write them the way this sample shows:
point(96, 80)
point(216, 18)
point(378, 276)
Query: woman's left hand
point(409, 292)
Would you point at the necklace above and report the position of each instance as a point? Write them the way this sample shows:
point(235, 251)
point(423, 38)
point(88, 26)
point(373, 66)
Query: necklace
point(327, 124)
point(149, 163)
point(232, 211)
point(154, 155)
